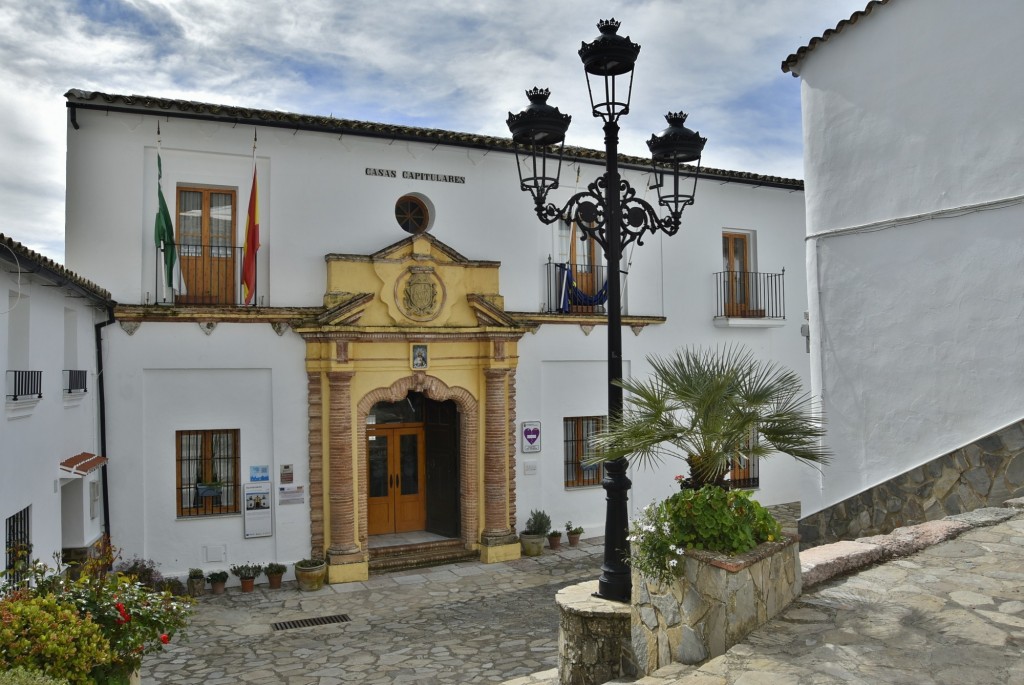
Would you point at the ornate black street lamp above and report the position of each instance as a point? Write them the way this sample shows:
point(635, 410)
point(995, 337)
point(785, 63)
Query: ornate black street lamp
point(609, 212)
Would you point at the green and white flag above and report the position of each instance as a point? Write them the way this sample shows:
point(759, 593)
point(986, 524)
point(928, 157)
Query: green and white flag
point(163, 234)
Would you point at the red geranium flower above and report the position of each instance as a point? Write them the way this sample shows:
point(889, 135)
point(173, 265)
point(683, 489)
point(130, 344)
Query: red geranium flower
point(165, 638)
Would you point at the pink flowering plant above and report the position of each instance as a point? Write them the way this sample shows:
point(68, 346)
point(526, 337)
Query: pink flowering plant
point(711, 518)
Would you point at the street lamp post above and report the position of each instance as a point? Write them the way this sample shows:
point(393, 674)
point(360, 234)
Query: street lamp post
point(610, 213)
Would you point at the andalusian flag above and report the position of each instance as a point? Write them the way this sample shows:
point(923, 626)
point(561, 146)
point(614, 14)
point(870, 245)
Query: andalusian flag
point(164, 230)
point(252, 242)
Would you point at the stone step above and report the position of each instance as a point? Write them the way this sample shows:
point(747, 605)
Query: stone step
point(402, 557)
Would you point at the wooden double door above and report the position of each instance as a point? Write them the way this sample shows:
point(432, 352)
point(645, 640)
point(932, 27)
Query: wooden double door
point(396, 497)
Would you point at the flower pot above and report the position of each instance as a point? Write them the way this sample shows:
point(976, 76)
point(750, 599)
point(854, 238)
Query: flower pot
point(574, 539)
point(533, 545)
point(310, 578)
point(248, 584)
point(217, 587)
point(274, 581)
point(196, 586)
point(555, 541)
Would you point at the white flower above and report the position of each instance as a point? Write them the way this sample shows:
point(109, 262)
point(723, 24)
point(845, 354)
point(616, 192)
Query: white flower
point(672, 563)
point(673, 548)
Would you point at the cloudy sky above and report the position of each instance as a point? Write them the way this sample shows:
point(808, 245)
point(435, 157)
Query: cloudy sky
point(450, 64)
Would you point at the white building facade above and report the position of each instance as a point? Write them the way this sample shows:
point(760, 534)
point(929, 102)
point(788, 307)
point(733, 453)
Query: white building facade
point(914, 162)
point(51, 495)
point(461, 330)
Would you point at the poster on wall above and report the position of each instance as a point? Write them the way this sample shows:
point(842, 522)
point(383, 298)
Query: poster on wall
point(531, 436)
point(258, 513)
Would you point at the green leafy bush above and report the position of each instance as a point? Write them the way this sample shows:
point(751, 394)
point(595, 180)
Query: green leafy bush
point(709, 519)
point(539, 523)
point(45, 634)
point(21, 676)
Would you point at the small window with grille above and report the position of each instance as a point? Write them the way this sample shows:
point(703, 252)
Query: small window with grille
point(18, 548)
point(208, 472)
point(578, 433)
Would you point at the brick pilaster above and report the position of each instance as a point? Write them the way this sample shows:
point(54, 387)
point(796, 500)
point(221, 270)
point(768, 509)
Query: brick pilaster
point(342, 494)
point(316, 460)
point(496, 453)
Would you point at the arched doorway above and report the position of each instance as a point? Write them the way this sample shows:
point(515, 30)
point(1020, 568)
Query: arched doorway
point(412, 466)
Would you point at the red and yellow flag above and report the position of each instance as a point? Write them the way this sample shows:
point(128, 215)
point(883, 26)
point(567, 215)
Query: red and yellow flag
point(252, 243)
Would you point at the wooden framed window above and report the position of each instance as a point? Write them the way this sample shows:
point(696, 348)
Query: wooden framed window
point(578, 431)
point(208, 472)
point(736, 264)
point(412, 214)
point(206, 244)
point(744, 473)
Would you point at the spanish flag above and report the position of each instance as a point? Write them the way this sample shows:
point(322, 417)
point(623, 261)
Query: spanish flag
point(252, 242)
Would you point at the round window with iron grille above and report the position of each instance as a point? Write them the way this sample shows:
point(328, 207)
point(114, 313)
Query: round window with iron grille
point(412, 214)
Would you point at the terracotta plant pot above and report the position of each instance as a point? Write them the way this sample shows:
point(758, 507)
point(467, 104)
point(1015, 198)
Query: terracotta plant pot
point(555, 541)
point(248, 584)
point(311, 578)
point(217, 587)
point(275, 581)
point(574, 539)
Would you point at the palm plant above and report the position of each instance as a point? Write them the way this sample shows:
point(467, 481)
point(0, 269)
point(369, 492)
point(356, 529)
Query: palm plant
point(711, 408)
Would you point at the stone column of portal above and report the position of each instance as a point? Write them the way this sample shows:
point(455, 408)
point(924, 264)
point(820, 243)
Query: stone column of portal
point(316, 456)
point(342, 493)
point(496, 444)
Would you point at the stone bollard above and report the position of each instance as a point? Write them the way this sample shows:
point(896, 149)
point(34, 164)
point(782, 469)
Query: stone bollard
point(594, 644)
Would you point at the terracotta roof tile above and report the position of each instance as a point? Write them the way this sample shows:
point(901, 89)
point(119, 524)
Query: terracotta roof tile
point(31, 261)
point(791, 62)
point(330, 124)
point(82, 464)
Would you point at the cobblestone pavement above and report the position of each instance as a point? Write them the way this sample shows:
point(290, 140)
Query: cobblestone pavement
point(953, 613)
point(462, 623)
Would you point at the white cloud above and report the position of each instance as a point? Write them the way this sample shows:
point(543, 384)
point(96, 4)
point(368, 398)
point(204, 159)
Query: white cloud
point(452, 64)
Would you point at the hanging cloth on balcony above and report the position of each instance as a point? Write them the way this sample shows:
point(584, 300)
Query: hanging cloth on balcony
point(570, 293)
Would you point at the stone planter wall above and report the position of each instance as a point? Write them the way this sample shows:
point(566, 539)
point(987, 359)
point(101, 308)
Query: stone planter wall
point(593, 637)
point(985, 473)
point(715, 602)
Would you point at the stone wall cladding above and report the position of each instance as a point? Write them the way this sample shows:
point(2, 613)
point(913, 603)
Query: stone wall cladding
point(713, 604)
point(984, 473)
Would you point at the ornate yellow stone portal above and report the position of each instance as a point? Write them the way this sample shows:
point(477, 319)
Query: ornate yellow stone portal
point(416, 317)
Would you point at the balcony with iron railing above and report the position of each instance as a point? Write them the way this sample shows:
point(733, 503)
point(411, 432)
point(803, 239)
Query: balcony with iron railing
point(576, 288)
point(75, 381)
point(207, 275)
point(750, 295)
point(24, 385)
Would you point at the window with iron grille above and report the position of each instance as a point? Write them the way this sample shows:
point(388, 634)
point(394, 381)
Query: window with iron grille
point(208, 472)
point(744, 472)
point(18, 546)
point(578, 432)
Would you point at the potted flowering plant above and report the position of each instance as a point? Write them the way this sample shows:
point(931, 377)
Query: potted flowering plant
point(310, 574)
point(196, 582)
point(275, 572)
point(217, 581)
point(532, 536)
point(247, 574)
point(573, 533)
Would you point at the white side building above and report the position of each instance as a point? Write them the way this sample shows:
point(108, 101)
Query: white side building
point(914, 163)
point(51, 445)
point(313, 384)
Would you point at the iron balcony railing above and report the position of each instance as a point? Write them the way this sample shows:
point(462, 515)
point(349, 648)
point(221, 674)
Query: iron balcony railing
point(576, 288)
point(74, 381)
point(750, 295)
point(23, 385)
point(206, 274)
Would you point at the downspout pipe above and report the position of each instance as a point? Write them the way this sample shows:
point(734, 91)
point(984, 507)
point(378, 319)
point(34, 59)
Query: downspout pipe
point(103, 414)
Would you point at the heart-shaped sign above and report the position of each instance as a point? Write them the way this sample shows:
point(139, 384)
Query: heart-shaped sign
point(532, 435)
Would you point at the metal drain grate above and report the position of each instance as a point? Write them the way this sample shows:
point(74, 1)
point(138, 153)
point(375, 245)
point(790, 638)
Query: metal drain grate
point(310, 622)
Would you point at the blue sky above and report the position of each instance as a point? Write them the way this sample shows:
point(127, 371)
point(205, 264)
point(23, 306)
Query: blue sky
point(450, 64)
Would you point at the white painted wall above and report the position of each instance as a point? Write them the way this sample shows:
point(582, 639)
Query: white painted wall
point(915, 110)
point(37, 434)
point(317, 199)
